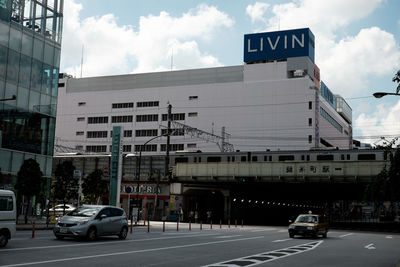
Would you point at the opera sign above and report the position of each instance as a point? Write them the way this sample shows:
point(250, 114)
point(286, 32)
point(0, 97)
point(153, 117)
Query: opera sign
point(279, 45)
point(143, 189)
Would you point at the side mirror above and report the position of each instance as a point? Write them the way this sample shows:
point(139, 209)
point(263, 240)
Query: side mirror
point(103, 216)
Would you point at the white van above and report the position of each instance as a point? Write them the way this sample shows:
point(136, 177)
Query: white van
point(8, 216)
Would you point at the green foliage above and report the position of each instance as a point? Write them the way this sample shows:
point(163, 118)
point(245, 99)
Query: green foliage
point(94, 187)
point(65, 186)
point(29, 181)
point(29, 178)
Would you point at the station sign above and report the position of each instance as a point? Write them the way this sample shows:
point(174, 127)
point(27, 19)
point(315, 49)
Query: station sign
point(279, 45)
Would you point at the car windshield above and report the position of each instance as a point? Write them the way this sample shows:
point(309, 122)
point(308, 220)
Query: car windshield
point(84, 211)
point(306, 219)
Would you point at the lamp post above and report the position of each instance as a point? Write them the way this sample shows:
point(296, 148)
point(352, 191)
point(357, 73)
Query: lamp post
point(138, 168)
point(382, 94)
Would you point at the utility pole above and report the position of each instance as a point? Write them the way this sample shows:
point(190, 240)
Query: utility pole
point(169, 116)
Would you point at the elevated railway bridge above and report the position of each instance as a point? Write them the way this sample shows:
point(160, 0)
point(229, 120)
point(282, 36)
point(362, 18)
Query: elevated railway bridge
point(259, 187)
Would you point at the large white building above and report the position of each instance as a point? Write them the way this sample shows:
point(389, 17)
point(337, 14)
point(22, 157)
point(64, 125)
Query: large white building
point(271, 102)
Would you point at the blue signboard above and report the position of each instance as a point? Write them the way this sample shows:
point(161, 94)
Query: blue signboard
point(279, 45)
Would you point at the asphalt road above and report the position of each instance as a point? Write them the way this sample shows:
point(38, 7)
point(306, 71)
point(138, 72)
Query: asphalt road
point(247, 246)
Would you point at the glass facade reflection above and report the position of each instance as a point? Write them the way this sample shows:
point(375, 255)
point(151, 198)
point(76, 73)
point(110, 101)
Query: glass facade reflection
point(30, 47)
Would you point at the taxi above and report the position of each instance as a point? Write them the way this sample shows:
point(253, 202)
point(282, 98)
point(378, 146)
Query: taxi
point(309, 225)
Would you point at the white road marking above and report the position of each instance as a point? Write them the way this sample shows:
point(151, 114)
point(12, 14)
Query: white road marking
point(370, 246)
point(264, 257)
point(103, 243)
point(131, 252)
point(282, 231)
point(346, 235)
point(227, 236)
point(261, 230)
point(281, 240)
point(389, 236)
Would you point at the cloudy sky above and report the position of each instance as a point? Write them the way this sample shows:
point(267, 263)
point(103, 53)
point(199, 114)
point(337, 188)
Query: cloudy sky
point(357, 43)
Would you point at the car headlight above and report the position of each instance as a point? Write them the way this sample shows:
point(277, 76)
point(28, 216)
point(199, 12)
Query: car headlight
point(83, 222)
point(310, 228)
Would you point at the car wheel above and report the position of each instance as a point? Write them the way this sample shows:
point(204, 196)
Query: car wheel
point(59, 237)
point(124, 232)
point(3, 239)
point(91, 234)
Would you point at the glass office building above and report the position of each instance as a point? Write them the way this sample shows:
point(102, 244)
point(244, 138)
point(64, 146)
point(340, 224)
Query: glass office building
point(30, 46)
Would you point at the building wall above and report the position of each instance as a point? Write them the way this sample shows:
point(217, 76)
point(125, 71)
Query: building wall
point(29, 64)
point(259, 106)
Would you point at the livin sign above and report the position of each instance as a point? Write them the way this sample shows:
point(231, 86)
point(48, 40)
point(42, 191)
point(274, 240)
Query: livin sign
point(279, 45)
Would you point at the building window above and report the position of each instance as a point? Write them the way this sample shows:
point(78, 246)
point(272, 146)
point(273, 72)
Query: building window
point(148, 117)
point(331, 120)
point(96, 149)
point(61, 84)
point(310, 139)
point(172, 147)
point(175, 132)
point(192, 114)
point(309, 104)
point(126, 148)
point(127, 133)
point(191, 145)
point(96, 134)
point(79, 147)
point(97, 120)
point(121, 119)
point(193, 97)
point(81, 103)
point(146, 132)
point(110, 133)
point(175, 117)
point(122, 105)
point(147, 104)
point(80, 119)
point(146, 148)
point(309, 121)
point(80, 133)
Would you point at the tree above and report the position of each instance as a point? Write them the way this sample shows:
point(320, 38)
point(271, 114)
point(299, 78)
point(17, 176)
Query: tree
point(29, 181)
point(94, 187)
point(65, 186)
point(396, 79)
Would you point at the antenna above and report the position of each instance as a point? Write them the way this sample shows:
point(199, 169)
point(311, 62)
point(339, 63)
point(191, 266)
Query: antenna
point(82, 61)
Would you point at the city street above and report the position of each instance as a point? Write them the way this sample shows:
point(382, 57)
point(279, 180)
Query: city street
point(247, 246)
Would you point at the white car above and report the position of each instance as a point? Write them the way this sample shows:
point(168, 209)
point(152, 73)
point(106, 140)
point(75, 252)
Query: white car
point(61, 209)
point(8, 211)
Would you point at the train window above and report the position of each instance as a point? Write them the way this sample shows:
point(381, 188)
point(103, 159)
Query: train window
point(366, 156)
point(324, 157)
point(243, 158)
point(233, 159)
point(308, 157)
point(342, 157)
point(348, 156)
point(254, 158)
point(270, 158)
point(195, 159)
point(265, 158)
point(181, 160)
point(286, 157)
point(213, 159)
point(229, 159)
point(302, 157)
point(199, 159)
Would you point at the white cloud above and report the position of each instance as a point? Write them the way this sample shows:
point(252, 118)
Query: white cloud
point(113, 49)
point(346, 64)
point(257, 11)
point(383, 122)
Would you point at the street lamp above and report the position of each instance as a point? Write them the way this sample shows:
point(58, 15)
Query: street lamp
point(381, 94)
